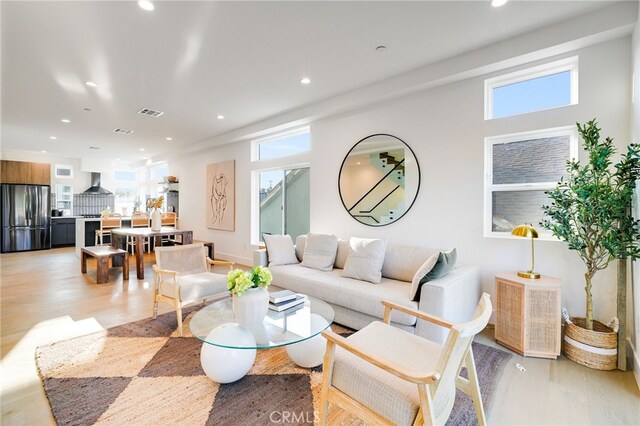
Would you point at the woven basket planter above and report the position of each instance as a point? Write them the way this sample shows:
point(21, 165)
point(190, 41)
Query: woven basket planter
point(597, 348)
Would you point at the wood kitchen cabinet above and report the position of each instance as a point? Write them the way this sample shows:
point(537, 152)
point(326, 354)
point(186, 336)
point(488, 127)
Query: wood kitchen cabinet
point(528, 314)
point(25, 172)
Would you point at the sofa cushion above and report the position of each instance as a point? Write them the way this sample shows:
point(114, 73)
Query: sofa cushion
point(320, 251)
point(280, 249)
point(444, 264)
point(301, 242)
point(359, 296)
point(402, 262)
point(416, 282)
point(342, 253)
point(365, 259)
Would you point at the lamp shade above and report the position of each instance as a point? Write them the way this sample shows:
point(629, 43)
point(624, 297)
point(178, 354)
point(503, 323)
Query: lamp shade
point(527, 231)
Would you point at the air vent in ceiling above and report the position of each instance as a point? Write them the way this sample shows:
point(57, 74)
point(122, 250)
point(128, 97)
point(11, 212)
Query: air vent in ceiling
point(150, 112)
point(125, 131)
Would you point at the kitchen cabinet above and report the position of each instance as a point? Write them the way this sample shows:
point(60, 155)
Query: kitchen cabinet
point(63, 232)
point(25, 172)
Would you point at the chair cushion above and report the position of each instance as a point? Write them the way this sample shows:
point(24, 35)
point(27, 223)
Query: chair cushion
point(393, 398)
point(195, 286)
point(320, 251)
point(365, 259)
point(280, 250)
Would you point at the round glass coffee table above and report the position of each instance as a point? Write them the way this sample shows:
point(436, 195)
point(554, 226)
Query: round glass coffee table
point(229, 349)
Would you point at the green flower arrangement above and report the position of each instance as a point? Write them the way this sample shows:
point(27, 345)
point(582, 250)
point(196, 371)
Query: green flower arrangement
point(239, 281)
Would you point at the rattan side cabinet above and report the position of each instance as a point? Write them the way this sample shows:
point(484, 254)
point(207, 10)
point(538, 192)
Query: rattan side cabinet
point(528, 314)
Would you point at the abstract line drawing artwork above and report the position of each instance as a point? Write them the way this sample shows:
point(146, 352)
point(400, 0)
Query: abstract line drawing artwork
point(221, 197)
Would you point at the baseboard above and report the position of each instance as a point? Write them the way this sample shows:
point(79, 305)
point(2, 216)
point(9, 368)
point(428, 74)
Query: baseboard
point(636, 362)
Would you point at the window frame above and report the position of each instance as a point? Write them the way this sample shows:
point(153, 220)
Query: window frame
point(568, 64)
point(490, 187)
point(283, 164)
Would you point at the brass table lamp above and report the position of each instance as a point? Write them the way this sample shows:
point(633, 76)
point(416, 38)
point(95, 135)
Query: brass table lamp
point(527, 231)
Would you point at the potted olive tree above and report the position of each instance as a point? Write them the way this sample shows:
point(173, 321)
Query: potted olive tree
point(590, 211)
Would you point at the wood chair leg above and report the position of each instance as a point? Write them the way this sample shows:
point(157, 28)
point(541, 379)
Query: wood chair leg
point(474, 387)
point(327, 373)
point(179, 315)
point(426, 405)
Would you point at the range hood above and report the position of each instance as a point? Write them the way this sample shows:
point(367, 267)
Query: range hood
point(95, 186)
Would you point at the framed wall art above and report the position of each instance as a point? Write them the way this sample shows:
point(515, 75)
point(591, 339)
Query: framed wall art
point(221, 195)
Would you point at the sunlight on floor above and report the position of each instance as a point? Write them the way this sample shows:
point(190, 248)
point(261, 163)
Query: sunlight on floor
point(18, 371)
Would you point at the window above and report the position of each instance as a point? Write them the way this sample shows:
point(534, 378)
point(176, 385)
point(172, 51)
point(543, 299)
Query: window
point(283, 145)
point(543, 87)
point(65, 172)
point(281, 182)
point(126, 189)
point(64, 198)
point(519, 168)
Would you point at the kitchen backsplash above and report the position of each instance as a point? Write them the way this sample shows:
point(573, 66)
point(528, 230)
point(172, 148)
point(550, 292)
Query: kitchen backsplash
point(92, 204)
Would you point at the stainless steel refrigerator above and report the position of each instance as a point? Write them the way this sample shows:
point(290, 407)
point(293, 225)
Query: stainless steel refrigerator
point(26, 218)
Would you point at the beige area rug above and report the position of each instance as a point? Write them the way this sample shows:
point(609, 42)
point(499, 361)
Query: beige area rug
point(142, 373)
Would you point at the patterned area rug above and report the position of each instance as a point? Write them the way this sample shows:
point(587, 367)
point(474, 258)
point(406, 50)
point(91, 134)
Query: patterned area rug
point(142, 373)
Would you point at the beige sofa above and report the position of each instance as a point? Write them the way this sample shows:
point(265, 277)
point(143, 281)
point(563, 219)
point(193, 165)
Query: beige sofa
point(357, 303)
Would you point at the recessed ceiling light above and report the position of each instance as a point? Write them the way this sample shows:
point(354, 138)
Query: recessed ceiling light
point(64, 120)
point(305, 80)
point(141, 149)
point(53, 138)
point(44, 152)
point(117, 159)
point(146, 5)
point(91, 84)
point(220, 117)
point(498, 3)
point(168, 139)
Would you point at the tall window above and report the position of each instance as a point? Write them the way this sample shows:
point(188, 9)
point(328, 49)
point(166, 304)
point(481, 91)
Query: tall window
point(543, 87)
point(281, 182)
point(519, 168)
point(126, 190)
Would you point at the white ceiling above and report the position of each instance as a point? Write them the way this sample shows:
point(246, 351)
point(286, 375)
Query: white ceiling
point(195, 60)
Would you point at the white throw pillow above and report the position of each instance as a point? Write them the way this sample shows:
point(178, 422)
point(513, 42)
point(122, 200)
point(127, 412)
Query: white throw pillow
point(365, 259)
point(342, 253)
point(280, 250)
point(320, 251)
point(426, 267)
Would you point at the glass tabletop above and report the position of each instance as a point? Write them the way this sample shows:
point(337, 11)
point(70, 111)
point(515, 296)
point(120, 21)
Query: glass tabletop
point(277, 329)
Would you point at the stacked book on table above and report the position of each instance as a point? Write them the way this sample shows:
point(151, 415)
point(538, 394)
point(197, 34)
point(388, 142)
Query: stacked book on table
point(285, 301)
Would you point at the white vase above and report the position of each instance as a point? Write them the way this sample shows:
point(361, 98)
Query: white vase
point(156, 220)
point(251, 308)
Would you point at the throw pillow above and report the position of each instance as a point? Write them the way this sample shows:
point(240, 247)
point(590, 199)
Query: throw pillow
point(342, 253)
point(280, 250)
point(436, 266)
point(320, 251)
point(365, 259)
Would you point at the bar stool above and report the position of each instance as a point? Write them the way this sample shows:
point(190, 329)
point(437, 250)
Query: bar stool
point(139, 220)
point(108, 221)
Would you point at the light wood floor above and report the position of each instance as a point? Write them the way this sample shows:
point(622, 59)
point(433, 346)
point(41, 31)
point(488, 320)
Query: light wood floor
point(45, 298)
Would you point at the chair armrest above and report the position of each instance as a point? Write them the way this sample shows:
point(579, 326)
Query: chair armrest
point(388, 366)
point(161, 271)
point(220, 262)
point(419, 314)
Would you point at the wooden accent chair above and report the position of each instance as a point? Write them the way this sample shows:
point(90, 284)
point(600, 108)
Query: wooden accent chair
point(182, 275)
point(170, 219)
point(388, 376)
point(139, 220)
point(108, 221)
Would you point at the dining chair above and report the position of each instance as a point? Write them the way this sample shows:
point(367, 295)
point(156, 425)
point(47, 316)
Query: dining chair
point(139, 219)
point(170, 219)
point(108, 221)
point(385, 375)
point(182, 275)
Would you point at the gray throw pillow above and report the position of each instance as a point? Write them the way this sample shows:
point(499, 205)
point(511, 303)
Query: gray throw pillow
point(444, 265)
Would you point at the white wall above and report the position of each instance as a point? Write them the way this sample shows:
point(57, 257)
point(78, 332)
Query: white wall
point(445, 128)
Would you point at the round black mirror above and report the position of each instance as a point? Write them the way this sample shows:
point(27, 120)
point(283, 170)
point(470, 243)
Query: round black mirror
point(379, 180)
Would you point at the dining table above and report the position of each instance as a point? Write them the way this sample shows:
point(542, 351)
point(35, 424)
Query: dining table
point(140, 234)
